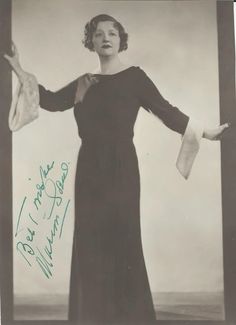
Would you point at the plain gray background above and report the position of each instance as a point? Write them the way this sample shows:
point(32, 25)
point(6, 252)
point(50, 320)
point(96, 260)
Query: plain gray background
point(175, 42)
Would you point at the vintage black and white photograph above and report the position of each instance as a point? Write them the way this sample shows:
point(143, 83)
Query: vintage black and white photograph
point(122, 132)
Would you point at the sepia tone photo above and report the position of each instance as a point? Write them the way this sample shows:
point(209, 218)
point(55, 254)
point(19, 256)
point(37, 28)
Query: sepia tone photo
point(120, 204)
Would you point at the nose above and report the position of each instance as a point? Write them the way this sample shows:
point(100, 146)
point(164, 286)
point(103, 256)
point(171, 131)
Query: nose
point(105, 38)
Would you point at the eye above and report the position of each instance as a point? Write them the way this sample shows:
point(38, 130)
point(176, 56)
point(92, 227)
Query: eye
point(98, 34)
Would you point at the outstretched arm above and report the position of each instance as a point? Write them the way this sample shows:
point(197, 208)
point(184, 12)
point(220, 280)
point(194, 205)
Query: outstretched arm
point(53, 101)
point(152, 100)
point(172, 117)
point(25, 103)
point(59, 100)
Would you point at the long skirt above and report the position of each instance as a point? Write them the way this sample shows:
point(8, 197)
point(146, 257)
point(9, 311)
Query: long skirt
point(108, 283)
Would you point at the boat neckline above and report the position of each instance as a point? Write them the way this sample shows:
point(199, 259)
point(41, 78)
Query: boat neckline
point(114, 74)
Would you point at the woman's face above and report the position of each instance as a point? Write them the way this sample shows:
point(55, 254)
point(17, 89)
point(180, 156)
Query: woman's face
point(106, 39)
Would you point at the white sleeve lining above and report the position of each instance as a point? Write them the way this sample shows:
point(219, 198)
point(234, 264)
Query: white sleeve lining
point(189, 147)
point(25, 103)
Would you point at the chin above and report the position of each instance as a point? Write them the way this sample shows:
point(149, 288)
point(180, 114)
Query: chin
point(107, 53)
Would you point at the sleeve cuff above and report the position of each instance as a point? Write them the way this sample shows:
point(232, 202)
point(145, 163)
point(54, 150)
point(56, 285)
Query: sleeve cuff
point(189, 147)
point(25, 103)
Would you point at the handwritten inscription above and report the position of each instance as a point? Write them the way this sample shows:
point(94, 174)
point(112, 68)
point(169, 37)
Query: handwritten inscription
point(41, 187)
point(48, 191)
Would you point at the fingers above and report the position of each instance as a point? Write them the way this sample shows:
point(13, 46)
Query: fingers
point(14, 53)
point(14, 48)
point(7, 57)
point(12, 62)
point(223, 127)
point(221, 130)
point(226, 125)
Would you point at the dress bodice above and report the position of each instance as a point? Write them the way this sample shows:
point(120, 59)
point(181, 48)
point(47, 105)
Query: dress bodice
point(106, 107)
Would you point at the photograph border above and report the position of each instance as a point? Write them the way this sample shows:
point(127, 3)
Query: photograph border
point(226, 50)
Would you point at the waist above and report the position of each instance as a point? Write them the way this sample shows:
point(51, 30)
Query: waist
point(107, 140)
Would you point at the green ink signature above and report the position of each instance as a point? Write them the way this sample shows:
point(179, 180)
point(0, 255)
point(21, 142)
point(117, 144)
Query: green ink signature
point(41, 187)
point(53, 190)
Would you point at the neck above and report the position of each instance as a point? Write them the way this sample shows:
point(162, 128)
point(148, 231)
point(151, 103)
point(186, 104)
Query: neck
point(109, 64)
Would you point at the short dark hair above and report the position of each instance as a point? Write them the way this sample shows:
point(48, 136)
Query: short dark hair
point(91, 27)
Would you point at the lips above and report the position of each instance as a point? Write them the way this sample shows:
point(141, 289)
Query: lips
point(106, 46)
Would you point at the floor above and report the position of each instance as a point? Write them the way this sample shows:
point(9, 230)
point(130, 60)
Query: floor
point(168, 306)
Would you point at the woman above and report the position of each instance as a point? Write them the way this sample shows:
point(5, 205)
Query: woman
point(109, 281)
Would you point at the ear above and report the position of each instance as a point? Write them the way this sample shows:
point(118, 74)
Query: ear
point(91, 46)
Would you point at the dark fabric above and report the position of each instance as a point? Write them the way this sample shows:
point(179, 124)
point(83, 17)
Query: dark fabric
point(109, 283)
point(84, 83)
point(59, 100)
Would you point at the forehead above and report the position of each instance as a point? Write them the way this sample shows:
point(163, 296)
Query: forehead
point(105, 25)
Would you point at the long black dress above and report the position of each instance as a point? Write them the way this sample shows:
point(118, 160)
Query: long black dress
point(109, 283)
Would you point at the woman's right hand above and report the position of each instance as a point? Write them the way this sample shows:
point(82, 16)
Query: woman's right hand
point(15, 63)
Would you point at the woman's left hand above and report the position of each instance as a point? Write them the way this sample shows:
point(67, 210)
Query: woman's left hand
point(15, 63)
point(216, 133)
